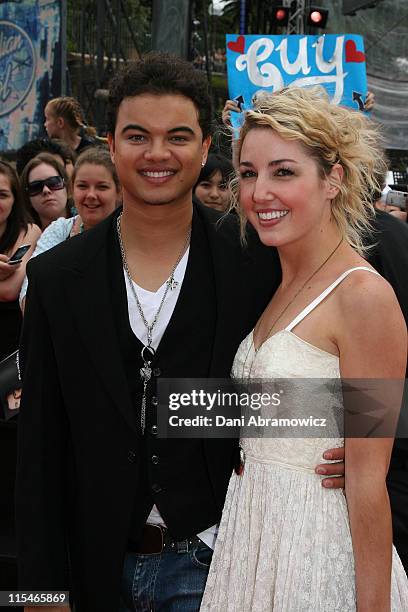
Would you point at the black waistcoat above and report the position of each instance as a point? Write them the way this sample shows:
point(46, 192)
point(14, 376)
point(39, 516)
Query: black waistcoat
point(173, 474)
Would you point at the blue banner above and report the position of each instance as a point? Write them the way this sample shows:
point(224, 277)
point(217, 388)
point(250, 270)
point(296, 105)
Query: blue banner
point(333, 61)
point(30, 67)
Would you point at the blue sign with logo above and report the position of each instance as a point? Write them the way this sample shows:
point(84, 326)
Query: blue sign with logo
point(30, 67)
point(333, 61)
point(17, 66)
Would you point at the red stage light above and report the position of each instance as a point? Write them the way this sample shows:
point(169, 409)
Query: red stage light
point(316, 17)
point(281, 15)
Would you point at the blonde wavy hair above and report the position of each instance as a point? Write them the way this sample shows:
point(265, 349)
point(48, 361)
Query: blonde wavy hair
point(331, 135)
point(70, 109)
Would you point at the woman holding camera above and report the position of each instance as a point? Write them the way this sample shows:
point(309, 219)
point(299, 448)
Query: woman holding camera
point(15, 231)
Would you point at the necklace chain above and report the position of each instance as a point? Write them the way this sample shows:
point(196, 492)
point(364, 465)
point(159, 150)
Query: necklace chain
point(170, 283)
point(147, 353)
point(298, 292)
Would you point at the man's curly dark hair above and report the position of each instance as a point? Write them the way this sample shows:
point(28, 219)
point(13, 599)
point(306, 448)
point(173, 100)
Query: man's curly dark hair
point(160, 74)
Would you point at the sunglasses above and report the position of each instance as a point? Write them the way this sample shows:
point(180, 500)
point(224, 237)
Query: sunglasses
point(54, 183)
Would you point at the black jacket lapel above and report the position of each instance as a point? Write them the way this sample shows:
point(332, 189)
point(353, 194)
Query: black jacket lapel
point(88, 291)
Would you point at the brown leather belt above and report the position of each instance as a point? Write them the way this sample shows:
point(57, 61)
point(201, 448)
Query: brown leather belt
point(156, 539)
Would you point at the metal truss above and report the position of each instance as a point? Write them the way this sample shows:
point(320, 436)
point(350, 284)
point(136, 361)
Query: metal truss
point(296, 23)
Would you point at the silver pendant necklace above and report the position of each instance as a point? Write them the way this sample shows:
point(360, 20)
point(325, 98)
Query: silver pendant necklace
point(148, 353)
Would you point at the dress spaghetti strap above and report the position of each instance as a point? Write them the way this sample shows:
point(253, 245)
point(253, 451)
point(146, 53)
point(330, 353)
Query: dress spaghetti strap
point(324, 294)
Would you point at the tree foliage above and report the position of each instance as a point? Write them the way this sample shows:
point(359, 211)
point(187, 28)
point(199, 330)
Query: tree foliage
point(134, 15)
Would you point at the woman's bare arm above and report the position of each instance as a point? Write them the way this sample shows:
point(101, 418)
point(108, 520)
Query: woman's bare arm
point(373, 345)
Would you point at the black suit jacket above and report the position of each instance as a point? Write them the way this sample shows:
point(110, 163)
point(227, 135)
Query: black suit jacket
point(75, 486)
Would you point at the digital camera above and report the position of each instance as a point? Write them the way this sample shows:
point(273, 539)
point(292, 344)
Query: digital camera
point(397, 199)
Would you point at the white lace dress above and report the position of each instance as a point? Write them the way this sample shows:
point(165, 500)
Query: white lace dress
point(284, 542)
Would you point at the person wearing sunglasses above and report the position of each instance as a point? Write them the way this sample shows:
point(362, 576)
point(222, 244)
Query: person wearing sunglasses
point(96, 194)
point(45, 188)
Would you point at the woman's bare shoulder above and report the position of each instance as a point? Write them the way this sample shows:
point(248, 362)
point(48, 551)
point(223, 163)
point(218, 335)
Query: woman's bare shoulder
point(370, 329)
point(370, 315)
point(366, 293)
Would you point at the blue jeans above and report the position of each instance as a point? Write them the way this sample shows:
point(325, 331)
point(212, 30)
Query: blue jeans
point(167, 582)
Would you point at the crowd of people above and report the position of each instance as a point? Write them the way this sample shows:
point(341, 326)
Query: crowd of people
point(160, 257)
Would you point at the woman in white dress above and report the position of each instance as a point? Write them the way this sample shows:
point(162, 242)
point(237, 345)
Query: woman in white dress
point(285, 543)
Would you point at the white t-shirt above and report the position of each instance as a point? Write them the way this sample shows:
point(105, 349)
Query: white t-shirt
point(58, 231)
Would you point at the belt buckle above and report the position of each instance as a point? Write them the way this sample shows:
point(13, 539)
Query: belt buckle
point(160, 528)
point(148, 542)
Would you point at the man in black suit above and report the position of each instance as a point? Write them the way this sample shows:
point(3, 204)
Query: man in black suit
point(160, 289)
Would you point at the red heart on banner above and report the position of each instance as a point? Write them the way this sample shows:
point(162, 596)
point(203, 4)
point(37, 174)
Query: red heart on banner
point(238, 46)
point(352, 55)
